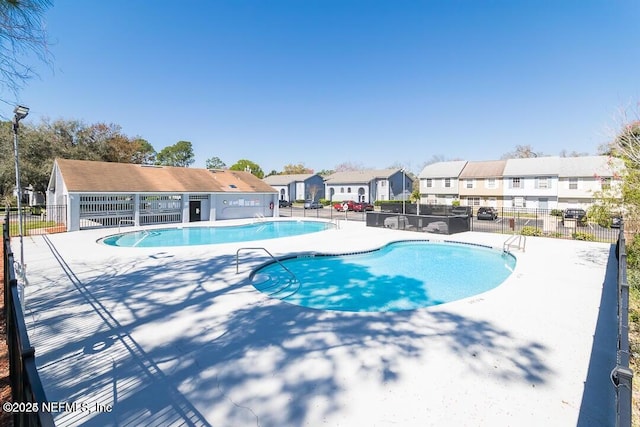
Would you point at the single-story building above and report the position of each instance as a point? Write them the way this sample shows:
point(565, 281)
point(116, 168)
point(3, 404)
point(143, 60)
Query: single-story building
point(105, 194)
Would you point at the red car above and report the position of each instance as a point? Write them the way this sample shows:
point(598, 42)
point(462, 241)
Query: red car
point(340, 206)
point(362, 207)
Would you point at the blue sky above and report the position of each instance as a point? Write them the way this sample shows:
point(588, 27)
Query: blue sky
point(374, 83)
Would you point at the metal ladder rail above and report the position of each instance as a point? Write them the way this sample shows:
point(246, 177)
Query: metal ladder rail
point(127, 221)
point(144, 232)
point(270, 254)
point(522, 242)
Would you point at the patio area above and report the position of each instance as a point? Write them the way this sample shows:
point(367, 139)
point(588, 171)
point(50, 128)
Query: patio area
point(173, 336)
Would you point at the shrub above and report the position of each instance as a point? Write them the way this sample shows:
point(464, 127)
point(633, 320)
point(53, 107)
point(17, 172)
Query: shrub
point(531, 231)
point(455, 203)
point(324, 202)
point(556, 212)
point(581, 235)
point(388, 202)
point(633, 253)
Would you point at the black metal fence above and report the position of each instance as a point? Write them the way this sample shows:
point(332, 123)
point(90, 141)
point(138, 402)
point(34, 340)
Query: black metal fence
point(622, 375)
point(27, 393)
point(326, 212)
point(530, 222)
point(37, 220)
point(544, 222)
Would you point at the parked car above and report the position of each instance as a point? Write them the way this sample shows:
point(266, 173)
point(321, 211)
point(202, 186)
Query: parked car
point(616, 221)
point(340, 206)
point(487, 213)
point(579, 215)
point(362, 207)
point(309, 204)
point(284, 203)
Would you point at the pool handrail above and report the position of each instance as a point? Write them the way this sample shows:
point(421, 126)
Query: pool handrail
point(510, 242)
point(270, 254)
point(127, 221)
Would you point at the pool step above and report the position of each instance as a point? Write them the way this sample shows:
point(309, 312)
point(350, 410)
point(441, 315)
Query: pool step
point(276, 286)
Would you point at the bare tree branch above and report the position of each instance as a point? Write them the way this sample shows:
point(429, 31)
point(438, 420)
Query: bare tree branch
point(22, 33)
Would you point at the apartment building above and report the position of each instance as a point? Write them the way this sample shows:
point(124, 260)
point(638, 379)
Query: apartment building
point(533, 183)
point(439, 182)
point(481, 184)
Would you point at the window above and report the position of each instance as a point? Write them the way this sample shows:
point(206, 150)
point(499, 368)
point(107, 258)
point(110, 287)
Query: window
point(469, 183)
point(490, 183)
point(542, 182)
point(473, 201)
point(573, 183)
point(605, 183)
point(447, 183)
point(342, 189)
point(383, 183)
point(429, 183)
point(348, 189)
point(515, 183)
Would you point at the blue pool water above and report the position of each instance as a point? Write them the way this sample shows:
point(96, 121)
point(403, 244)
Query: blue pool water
point(188, 236)
point(399, 276)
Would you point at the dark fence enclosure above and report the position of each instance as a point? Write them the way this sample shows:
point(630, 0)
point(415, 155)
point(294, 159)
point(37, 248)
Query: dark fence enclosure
point(27, 393)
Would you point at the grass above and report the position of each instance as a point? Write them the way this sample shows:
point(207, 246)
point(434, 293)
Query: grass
point(29, 225)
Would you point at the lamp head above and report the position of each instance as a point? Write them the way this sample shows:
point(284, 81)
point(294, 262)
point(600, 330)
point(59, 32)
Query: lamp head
point(20, 113)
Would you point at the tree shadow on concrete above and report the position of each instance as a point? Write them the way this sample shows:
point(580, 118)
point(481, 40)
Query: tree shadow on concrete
point(182, 342)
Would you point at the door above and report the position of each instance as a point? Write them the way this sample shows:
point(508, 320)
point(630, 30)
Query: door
point(194, 210)
point(543, 203)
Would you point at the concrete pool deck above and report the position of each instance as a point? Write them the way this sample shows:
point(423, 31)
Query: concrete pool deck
point(173, 336)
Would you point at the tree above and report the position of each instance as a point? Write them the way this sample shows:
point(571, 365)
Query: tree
point(625, 197)
point(313, 191)
point(248, 166)
point(22, 34)
point(144, 153)
point(627, 143)
point(574, 153)
point(522, 152)
point(436, 158)
point(326, 172)
point(348, 167)
point(291, 169)
point(215, 163)
point(179, 154)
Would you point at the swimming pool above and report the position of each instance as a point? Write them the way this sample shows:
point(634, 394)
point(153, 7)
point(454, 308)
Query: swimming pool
point(190, 236)
point(402, 275)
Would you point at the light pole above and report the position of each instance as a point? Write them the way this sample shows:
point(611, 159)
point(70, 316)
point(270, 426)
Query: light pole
point(20, 113)
point(403, 190)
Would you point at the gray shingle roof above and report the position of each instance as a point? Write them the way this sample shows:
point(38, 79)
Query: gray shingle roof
point(449, 169)
point(287, 179)
point(589, 166)
point(534, 166)
point(357, 177)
